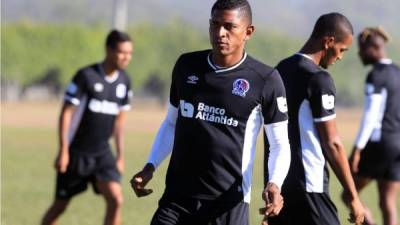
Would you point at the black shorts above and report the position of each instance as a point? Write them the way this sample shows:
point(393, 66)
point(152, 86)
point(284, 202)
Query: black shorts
point(191, 211)
point(83, 169)
point(306, 209)
point(381, 160)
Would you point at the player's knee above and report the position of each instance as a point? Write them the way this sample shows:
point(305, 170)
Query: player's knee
point(115, 201)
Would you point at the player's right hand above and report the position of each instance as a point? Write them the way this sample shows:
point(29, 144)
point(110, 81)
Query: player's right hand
point(62, 161)
point(139, 181)
point(357, 212)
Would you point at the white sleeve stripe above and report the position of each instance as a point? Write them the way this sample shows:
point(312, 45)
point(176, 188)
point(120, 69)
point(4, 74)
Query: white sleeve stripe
point(280, 155)
point(164, 140)
point(326, 118)
point(126, 107)
point(371, 114)
point(72, 100)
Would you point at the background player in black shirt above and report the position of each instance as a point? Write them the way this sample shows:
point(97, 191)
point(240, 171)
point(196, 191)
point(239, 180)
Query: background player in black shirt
point(219, 100)
point(376, 152)
point(312, 128)
point(93, 110)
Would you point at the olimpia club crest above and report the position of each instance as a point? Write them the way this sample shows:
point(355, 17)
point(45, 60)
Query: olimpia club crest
point(240, 87)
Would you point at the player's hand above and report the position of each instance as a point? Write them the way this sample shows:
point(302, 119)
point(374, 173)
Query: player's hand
point(139, 181)
point(120, 165)
point(357, 212)
point(273, 202)
point(354, 160)
point(62, 161)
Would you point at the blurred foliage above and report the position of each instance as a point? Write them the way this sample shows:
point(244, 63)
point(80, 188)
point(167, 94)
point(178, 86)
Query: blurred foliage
point(29, 50)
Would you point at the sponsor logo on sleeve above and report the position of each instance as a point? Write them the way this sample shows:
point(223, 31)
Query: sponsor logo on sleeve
point(240, 87)
point(328, 101)
point(72, 88)
point(369, 89)
point(282, 104)
point(121, 90)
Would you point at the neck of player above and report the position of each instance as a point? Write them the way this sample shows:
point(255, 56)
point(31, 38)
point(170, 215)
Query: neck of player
point(226, 60)
point(109, 68)
point(313, 50)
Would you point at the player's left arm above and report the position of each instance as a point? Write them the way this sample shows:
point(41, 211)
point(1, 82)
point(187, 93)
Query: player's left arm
point(276, 127)
point(119, 124)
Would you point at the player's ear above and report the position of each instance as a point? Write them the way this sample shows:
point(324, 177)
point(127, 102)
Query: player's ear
point(249, 31)
point(329, 42)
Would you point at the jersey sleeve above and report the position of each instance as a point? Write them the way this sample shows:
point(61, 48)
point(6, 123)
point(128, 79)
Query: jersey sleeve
point(126, 101)
point(174, 92)
point(76, 89)
point(322, 94)
point(374, 84)
point(274, 106)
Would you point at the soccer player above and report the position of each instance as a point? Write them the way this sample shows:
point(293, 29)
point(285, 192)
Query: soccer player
point(219, 100)
point(376, 152)
point(313, 136)
point(94, 109)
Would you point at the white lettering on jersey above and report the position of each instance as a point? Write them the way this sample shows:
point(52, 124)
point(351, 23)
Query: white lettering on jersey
point(121, 91)
point(282, 105)
point(98, 87)
point(207, 113)
point(186, 109)
point(72, 88)
point(328, 101)
point(369, 89)
point(105, 107)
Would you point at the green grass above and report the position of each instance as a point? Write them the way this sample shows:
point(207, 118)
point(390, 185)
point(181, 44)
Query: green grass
point(28, 181)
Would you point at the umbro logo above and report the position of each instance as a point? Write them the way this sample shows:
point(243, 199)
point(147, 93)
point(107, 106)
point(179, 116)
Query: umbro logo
point(192, 79)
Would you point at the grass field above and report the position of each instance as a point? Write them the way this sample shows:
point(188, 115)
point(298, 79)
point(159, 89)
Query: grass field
point(28, 149)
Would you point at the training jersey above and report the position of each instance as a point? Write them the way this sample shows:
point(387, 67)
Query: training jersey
point(219, 112)
point(310, 99)
point(382, 104)
point(99, 99)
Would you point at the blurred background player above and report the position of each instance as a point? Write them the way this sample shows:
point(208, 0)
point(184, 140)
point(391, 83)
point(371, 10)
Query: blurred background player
point(93, 111)
point(376, 152)
point(313, 136)
point(219, 100)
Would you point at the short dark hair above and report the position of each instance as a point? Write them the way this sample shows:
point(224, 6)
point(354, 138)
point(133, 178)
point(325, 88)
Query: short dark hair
point(242, 5)
point(332, 24)
point(115, 37)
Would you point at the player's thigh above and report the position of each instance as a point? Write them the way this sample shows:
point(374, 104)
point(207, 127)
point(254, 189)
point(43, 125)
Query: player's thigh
point(111, 190)
point(388, 190)
point(361, 181)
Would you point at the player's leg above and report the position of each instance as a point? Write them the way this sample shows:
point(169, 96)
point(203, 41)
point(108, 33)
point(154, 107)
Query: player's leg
point(55, 210)
point(388, 197)
point(112, 192)
point(175, 211)
point(238, 215)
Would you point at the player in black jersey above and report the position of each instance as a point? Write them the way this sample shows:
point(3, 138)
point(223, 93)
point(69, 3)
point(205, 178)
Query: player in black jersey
point(93, 111)
point(219, 100)
point(376, 152)
point(313, 136)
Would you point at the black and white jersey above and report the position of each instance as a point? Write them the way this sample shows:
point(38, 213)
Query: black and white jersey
point(99, 100)
point(212, 124)
point(382, 103)
point(311, 99)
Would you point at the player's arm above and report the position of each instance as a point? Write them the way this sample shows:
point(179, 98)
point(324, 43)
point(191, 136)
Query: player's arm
point(163, 142)
point(372, 106)
point(275, 116)
point(161, 148)
point(119, 139)
point(64, 124)
point(336, 156)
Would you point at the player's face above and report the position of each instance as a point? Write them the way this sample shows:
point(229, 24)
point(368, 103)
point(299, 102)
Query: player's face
point(229, 30)
point(121, 55)
point(335, 50)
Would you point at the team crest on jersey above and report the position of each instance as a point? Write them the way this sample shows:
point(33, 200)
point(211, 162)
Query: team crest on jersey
point(121, 91)
point(98, 87)
point(328, 101)
point(240, 87)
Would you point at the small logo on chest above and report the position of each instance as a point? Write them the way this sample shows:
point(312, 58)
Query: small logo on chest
point(240, 87)
point(98, 87)
point(192, 79)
